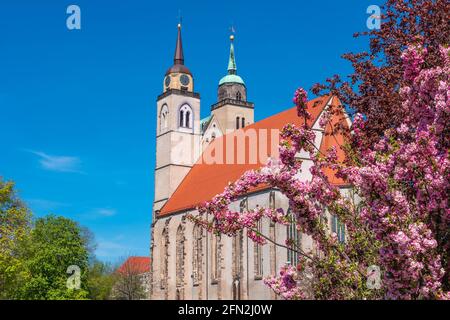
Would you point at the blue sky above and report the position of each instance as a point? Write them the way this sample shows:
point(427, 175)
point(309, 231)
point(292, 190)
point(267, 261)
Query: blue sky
point(78, 108)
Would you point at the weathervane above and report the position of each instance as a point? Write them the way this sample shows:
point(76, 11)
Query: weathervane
point(232, 30)
point(180, 18)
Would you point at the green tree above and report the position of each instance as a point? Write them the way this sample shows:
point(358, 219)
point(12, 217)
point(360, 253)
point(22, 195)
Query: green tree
point(15, 223)
point(100, 280)
point(55, 244)
point(129, 281)
point(34, 257)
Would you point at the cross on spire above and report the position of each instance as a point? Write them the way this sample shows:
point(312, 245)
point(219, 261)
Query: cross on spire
point(232, 30)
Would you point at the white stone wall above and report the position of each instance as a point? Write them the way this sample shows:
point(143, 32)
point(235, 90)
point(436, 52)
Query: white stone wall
point(273, 257)
point(226, 116)
point(177, 148)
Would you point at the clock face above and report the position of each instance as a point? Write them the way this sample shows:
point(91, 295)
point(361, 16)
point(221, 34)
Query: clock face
point(167, 81)
point(184, 79)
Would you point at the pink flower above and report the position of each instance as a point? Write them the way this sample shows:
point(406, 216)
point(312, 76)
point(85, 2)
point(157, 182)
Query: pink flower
point(300, 99)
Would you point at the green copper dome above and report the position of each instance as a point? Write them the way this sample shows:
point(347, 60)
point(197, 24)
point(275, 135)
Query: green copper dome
point(232, 77)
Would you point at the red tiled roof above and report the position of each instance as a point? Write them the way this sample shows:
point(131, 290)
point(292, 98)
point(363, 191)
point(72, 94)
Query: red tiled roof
point(135, 265)
point(204, 180)
point(337, 140)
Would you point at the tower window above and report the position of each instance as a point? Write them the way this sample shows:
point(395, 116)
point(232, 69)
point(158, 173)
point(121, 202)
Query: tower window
point(237, 122)
point(188, 118)
point(164, 118)
point(238, 96)
point(181, 118)
point(185, 119)
point(243, 123)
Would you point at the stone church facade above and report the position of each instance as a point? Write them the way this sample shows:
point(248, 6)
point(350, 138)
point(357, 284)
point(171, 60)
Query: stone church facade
point(188, 262)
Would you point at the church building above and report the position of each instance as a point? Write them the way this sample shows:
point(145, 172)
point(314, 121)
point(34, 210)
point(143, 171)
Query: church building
point(195, 161)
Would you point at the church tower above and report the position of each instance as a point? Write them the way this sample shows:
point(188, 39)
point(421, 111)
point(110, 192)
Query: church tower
point(178, 128)
point(232, 110)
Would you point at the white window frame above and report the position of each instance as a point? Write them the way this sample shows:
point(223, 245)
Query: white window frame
point(183, 121)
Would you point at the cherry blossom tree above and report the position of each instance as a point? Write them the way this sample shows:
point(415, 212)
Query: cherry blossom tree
point(396, 212)
point(372, 88)
point(400, 220)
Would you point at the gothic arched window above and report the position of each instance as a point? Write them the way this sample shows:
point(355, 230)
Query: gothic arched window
point(197, 255)
point(294, 238)
point(238, 246)
point(185, 118)
point(237, 255)
point(215, 257)
point(164, 265)
point(237, 122)
point(188, 119)
point(258, 263)
point(338, 228)
point(272, 200)
point(181, 118)
point(238, 96)
point(164, 118)
point(273, 236)
point(243, 123)
point(180, 257)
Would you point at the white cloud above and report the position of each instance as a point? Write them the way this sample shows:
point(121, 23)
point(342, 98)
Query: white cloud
point(116, 250)
point(58, 163)
point(106, 212)
point(98, 213)
point(111, 250)
point(110, 245)
point(108, 248)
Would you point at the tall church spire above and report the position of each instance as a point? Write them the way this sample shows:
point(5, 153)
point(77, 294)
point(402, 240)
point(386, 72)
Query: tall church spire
point(232, 60)
point(178, 66)
point(179, 56)
point(232, 110)
point(231, 76)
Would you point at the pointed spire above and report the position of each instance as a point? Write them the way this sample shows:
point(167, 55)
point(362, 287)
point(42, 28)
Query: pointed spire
point(232, 61)
point(179, 56)
point(232, 76)
point(178, 60)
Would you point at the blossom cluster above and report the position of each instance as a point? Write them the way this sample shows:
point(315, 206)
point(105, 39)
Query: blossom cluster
point(286, 284)
point(300, 99)
point(404, 181)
